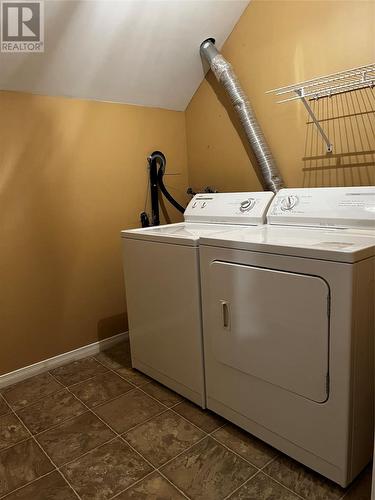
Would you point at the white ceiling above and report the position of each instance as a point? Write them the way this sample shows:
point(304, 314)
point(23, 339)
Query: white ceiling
point(142, 52)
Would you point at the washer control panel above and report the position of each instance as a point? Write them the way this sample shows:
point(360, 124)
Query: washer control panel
point(324, 207)
point(232, 208)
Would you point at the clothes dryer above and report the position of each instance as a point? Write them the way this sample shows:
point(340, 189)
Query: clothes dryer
point(288, 322)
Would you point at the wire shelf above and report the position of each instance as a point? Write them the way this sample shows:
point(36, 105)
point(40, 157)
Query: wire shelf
point(327, 86)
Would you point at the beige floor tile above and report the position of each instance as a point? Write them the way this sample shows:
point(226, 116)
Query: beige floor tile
point(21, 464)
point(128, 410)
point(11, 431)
point(78, 371)
point(208, 471)
point(100, 465)
point(249, 447)
point(204, 419)
point(134, 376)
point(163, 437)
point(106, 471)
point(51, 411)
point(262, 487)
point(74, 437)
point(153, 487)
point(30, 390)
point(51, 487)
point(162, 394)
point(116, 357)
point(302, 480)
point(101, 388)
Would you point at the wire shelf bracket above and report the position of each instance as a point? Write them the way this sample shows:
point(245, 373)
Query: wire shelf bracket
point(327, 86)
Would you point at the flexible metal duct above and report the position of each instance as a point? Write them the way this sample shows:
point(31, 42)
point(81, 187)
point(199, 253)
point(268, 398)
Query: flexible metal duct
point(225, 75)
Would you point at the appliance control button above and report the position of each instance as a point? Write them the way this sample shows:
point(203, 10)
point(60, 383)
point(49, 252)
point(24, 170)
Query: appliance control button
point(247, 205)
point(194, 204)
point(289, 202)
point(203, 204)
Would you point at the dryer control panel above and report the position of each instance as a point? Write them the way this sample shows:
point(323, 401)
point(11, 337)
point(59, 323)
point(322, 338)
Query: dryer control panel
point(248, 208)
point(324, 207)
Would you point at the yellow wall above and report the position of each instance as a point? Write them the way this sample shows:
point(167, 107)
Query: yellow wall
point(277, 43)
point(72, 175)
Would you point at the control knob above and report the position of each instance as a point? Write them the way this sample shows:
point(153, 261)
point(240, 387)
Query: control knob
point(247, 205)
point(289, 202)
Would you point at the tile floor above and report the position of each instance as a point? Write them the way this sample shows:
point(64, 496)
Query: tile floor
point(95, 429)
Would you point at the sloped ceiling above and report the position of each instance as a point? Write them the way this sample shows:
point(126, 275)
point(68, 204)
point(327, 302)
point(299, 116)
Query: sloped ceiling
point(143, 52)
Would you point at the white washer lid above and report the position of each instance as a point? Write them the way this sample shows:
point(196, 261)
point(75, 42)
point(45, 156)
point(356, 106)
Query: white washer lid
point(183, 233)
point(209, 213)
point(340, 245)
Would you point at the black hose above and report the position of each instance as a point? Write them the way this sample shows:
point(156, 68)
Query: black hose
point(157, 162)
point(154, 159)
point(145, 222)
point(165, 192)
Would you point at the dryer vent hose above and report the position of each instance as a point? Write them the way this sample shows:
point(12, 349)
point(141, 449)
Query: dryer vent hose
point(223, 71)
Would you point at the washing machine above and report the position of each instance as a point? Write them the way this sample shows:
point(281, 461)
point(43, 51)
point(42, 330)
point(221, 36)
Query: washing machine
point(288, 322)
point(162, 281)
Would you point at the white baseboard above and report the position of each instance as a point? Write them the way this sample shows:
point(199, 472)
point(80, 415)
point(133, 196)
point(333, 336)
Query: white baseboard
point(61, 359)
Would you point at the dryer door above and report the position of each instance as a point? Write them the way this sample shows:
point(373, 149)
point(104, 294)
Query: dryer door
point(271, 324)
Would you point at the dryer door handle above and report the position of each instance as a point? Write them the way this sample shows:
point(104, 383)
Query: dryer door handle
point(225, 314)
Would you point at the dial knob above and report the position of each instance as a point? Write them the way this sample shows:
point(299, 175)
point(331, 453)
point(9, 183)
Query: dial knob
point(289, 202)
point(247, 205)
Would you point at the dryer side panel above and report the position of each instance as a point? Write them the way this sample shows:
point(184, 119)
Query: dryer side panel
point(363, 365)
point(272, 325)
